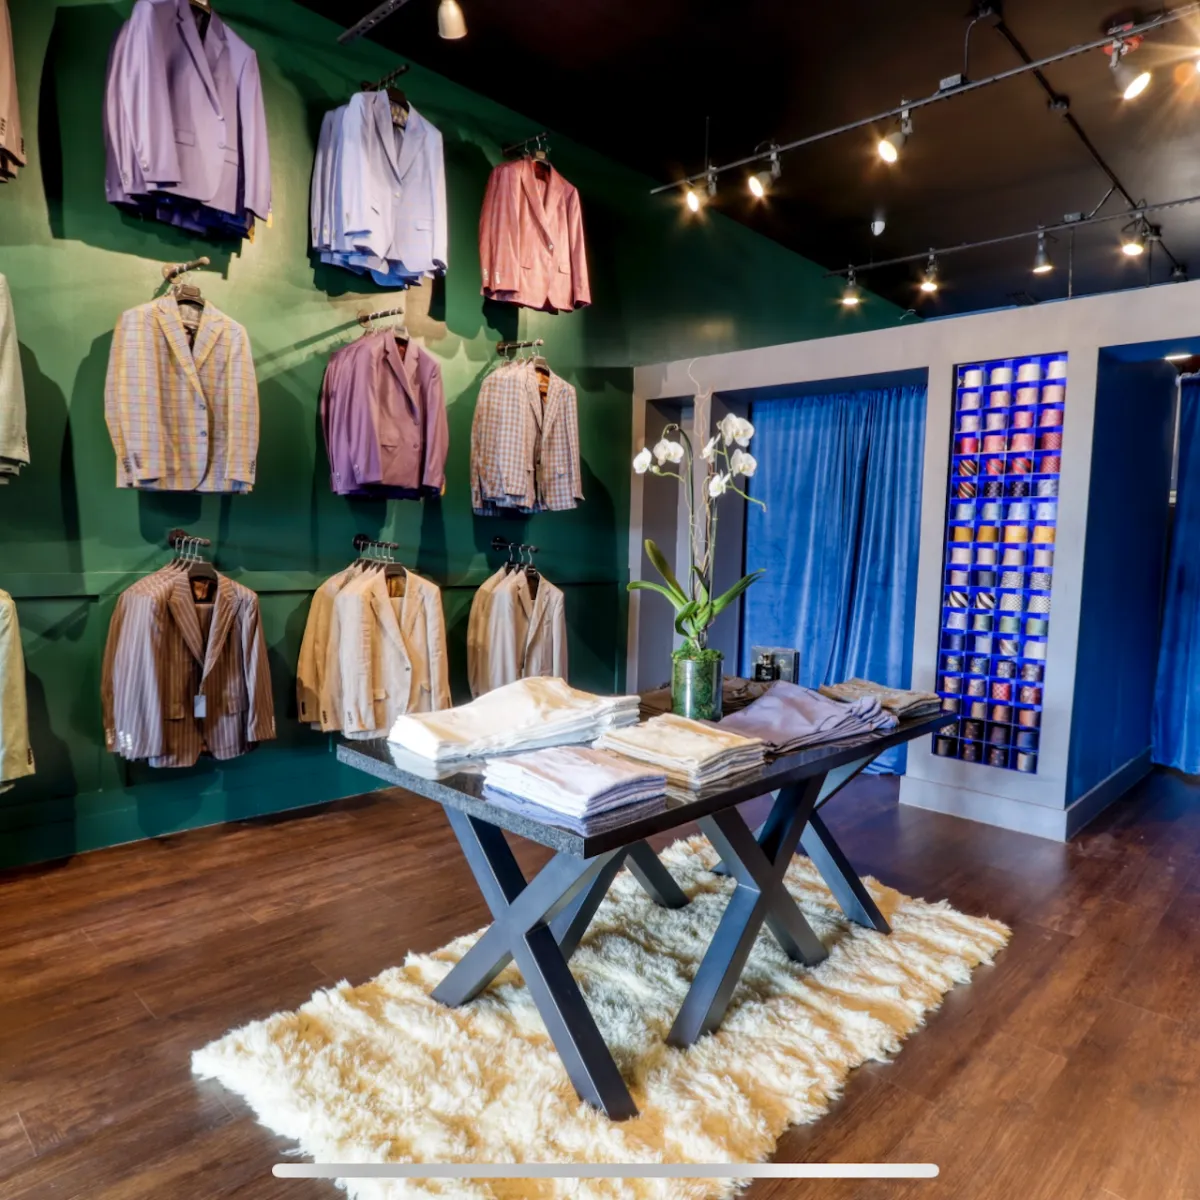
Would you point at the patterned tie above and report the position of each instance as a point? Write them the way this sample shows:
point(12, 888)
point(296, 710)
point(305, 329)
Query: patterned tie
point(951, 683)
point(968, 466)
point(1006, 669)
point(979, 666)
point(1020, 466)
point(973, 729)
point(967, 490)
point(957, 600)
point(1019, 487)
point(1040, 581)
point(1011, 579)
point(1010, 602)
point(1002, 690)
point(969, 752)
point(997, 757)
point(1022, 419)
point(993, 488)
point(985, 600)
point(995, 466)
point(1031, 673)
point(976, 687)
point(1021, 442)
point(1039, 604)
point(1009, 625)
point(956, 620)
point(1047, 487)
point(981, 624)
point(1008, 648)
point(1051, 464)
point(1036, 627)
point(952, 662)
point(993, 443)
point(1050, 418)
point(1030, 694)
point(1050, 441)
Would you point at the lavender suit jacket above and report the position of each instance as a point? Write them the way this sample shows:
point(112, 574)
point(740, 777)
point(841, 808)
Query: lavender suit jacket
point(185, 116)
point(385, 417)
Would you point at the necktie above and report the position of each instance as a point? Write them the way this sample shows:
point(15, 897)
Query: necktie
point(957, 600)
point(968, 445)
point(1021, 442)
point(985, 578)
point(976, 687)
point(1050, 418)
point(952, 662)
point(943, 747)
point(1051, 464)
point(1030, 372)
point(960, 533)
point(969, 423)
point(960, 555)
point(969, 752)
point(1010, 602)
point(1026, 739)
point(956, 620)
point(1000, 399)
point(1047, 487)
point(1010, 579)
point(973, 729)
point(983, 645)
point(990, 512)
point(1043, 534)
point(968, 401)
point(1031, 673)
point(972, 377)
point(1020, 466)
point(1019, 487)
point(966, 490)
point(951, 683)
point(1027, 763)
point(1043, 557)
point(1013, 558)
point(993, 488)
point(968, 466)
point(993, 443)
point(1008, 648)
point(1046, 511)
point(1039, 604)
point(1006, 668)
point(1054, 393)
point(978, 665)
point(1036, 650)
point(950, 705)
point(954, 641)
point(1022, 419)
point(986, 556)
point(985, 600)
point(1040, 581)
point(978, 710)
point(995, 466)
point(1016, 533)
point(1027, 395)
point(964, 512)
point(1036, 626)
point(960, 578)
point(987, 533)
point(1031, 695)
point(1009, 625)
point(1001, 712)
point(981, 623)
point(1050, 441)
point(995, 420)
point(1029, 718)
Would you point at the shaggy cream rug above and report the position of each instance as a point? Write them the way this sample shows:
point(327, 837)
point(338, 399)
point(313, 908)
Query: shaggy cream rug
point(383, 1073)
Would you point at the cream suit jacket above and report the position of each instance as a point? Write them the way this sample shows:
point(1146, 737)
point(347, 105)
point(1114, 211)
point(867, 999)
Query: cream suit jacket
point(14, 445)
point(391, 652)
point(16, 757)
point(513, 634)
point(313, 697)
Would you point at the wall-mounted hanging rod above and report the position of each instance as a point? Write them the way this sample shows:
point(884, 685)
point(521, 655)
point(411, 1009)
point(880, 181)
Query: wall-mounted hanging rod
point(363, 541)
point(365, 318)
point(177, 537)
point(171, 270)
point(390, 77)
point(372, 19)
point(541, 139)
point(505, 347)
point(1128, 215)
point(908, 106)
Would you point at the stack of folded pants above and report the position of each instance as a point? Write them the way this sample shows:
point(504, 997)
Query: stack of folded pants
point(524, 715)
point(692, 754)
point(790, 717)
point(588, 791)
point(907, 705)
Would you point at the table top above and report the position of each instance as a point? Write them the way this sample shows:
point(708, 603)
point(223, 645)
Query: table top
point(460, 785)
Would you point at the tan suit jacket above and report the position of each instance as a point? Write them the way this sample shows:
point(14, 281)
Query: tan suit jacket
point(16, 757)
point(313, 698)
point(391, 652)
point(515, 635)
point(12, 141)
point(14, 444)
point(168, 692)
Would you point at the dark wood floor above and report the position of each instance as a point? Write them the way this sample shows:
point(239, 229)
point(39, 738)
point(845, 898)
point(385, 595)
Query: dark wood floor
point(1070, 1070)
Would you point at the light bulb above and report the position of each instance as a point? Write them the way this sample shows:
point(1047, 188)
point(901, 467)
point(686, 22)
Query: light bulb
point(1133, 243)
point(1041, 260)
point(693, 200)
point(929, 284)
point(1134, 248)
point(757, 184)
point(451, 22)
point(1130, 82)
point(889, 147)
point(852, 296)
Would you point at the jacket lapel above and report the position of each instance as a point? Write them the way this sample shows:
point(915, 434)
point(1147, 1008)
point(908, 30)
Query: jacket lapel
point(532, 394)
point(385, 614)
point(166, 312)
point(191, 39)
point(223, 614)
point(403, 368)
point(536, 207)
point(381, 110)
point(413, 608)
point(212, 324)
point(183, 609)
point(412, 144)
point(554, 402)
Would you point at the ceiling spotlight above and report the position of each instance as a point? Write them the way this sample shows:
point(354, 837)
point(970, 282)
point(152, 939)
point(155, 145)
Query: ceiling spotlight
point(760, 182)
point(852, 296)
point(1179, 273)
point(451, 22)
point(1130, 82)
point(693, 200)
point(929, 283)
point(889, 147)
point(1133, 239)
point(711, 184)
point(1041, 260)
point(878, 225)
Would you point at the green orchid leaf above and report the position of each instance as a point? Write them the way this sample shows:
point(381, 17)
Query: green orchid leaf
point(644, 585)
point(703, 589)
point(723, 602)
point(663, 567)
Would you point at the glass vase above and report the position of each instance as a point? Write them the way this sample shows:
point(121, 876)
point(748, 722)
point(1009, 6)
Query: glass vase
point(696, 687)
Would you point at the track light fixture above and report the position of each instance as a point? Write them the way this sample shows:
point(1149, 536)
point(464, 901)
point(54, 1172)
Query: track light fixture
point(1130, 82)
point(852, 296)
point(693, 200)
point(760, 182)
point(1041, 259)
point(452, 25)
point(929, 282)
point(1133, 238)
point(889, 147)
point(1179, 273)
point(711, 183)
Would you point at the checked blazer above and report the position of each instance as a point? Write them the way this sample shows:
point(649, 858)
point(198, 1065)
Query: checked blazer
point(183, 418)
point(525, 452)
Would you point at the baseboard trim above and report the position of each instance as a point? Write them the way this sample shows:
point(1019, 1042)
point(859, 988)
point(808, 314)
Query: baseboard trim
point(1034, 819)
point(1091, 804)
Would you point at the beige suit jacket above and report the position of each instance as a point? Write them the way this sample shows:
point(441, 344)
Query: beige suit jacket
point(16, 757)
point(513, 634)
point(391, 653)
point(14, 445)
point(12, 142)
point(313, 696)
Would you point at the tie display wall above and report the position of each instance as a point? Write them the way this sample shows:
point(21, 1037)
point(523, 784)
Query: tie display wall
point(1002, 516)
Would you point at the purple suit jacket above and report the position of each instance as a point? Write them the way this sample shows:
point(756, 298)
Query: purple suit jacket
point(384, 417)
point(185, 116)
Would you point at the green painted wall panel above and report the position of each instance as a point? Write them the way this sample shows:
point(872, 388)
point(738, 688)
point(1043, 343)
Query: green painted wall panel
point(70, 541)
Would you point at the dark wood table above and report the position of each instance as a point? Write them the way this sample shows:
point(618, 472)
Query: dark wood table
point(538, 923)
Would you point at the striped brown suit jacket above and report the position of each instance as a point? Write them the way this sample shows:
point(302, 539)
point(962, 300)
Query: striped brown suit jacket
point(169, 691)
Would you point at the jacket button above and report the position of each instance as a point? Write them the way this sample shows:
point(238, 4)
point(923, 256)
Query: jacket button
point(551, 247)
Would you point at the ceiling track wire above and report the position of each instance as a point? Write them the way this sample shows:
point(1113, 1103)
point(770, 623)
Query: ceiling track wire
point(908, 106)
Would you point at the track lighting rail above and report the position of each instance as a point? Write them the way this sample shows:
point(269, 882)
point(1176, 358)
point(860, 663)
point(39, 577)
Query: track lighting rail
point(908, 106)
point(373, 18)
point(1133, 214)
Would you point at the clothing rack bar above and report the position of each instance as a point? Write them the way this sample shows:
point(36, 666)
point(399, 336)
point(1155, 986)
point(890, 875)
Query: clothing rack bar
point(365, 318)
point(363, 540)
point(178, 536)
point(503, 543)
point(542, 140)
point(390, 77)
point(505, 347)
point(171, 270)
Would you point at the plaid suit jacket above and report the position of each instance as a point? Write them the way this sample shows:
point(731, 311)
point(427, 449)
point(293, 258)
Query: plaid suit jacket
point(525, 454)
point(183, 418)
point(168, 691)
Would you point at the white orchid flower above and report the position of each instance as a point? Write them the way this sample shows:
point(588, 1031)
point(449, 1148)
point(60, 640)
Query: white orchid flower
point(735, 429)
point(717, 485)
point(710, 451)
point(745, 431)
point(667, 451)
point(675, 452)
point(641, 464)
point(741, 463)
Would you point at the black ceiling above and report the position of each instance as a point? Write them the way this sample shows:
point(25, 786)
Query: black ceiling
point(636, 78)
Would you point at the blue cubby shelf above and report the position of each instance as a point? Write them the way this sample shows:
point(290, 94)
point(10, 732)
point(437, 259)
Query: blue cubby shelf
point(986, 728)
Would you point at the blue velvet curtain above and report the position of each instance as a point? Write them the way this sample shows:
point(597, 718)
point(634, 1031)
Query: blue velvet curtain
point(840, 475)
point(1175, 736)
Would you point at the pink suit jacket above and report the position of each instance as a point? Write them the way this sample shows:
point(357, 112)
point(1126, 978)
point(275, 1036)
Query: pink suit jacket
point(531, 244)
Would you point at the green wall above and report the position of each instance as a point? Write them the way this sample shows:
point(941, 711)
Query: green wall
point(663, 287)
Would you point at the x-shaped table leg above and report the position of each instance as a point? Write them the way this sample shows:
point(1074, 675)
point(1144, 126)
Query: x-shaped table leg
point(531, 920)
point(758, 866)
